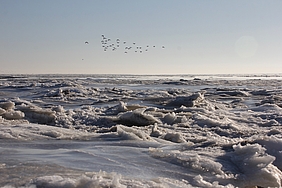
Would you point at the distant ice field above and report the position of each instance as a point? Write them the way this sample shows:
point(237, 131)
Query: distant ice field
point(141, 130)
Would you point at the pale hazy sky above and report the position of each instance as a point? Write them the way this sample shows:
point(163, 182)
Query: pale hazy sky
point(200, 36)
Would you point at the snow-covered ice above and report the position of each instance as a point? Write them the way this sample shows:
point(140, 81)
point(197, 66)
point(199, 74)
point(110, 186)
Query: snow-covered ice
point(141, 131)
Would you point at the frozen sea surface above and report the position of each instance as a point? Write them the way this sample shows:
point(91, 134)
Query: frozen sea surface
point(140, 131)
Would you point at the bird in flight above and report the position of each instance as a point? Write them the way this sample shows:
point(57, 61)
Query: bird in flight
point(106, 44)
point(86, 42)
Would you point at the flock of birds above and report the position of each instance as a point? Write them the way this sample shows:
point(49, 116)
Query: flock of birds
point(113, 45)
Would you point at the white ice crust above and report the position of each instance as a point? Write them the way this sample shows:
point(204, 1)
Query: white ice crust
point(201, 132)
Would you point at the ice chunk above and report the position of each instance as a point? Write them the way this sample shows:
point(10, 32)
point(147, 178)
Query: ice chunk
point(130, 133)
point(256, 166)
point(155, 132)
point(199, 180)
point(37, 114)
point(12, 115)
point(205, 121)
point(188, 101)
point(273, 147)
point(138, 118)
point(58, 109)
point(7, 105)
point(170, 118)
point(2, 111)
point(54, 181)
point(121, 107)
point(174, 137)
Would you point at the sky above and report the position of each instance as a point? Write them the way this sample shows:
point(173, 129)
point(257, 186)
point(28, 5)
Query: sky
point(190, 36)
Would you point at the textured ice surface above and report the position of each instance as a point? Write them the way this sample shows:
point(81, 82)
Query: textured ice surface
point(140, 131)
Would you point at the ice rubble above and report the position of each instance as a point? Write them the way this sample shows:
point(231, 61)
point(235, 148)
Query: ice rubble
point(126, 114)
point(26, 110)
point(188, 101)
point(6, 111)
point(137, 117)
point(101, 179)
point(256, 166)
point(225, 137)
point(253, 166)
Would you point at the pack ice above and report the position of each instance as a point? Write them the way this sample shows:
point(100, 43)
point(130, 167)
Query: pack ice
point(141, 131)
